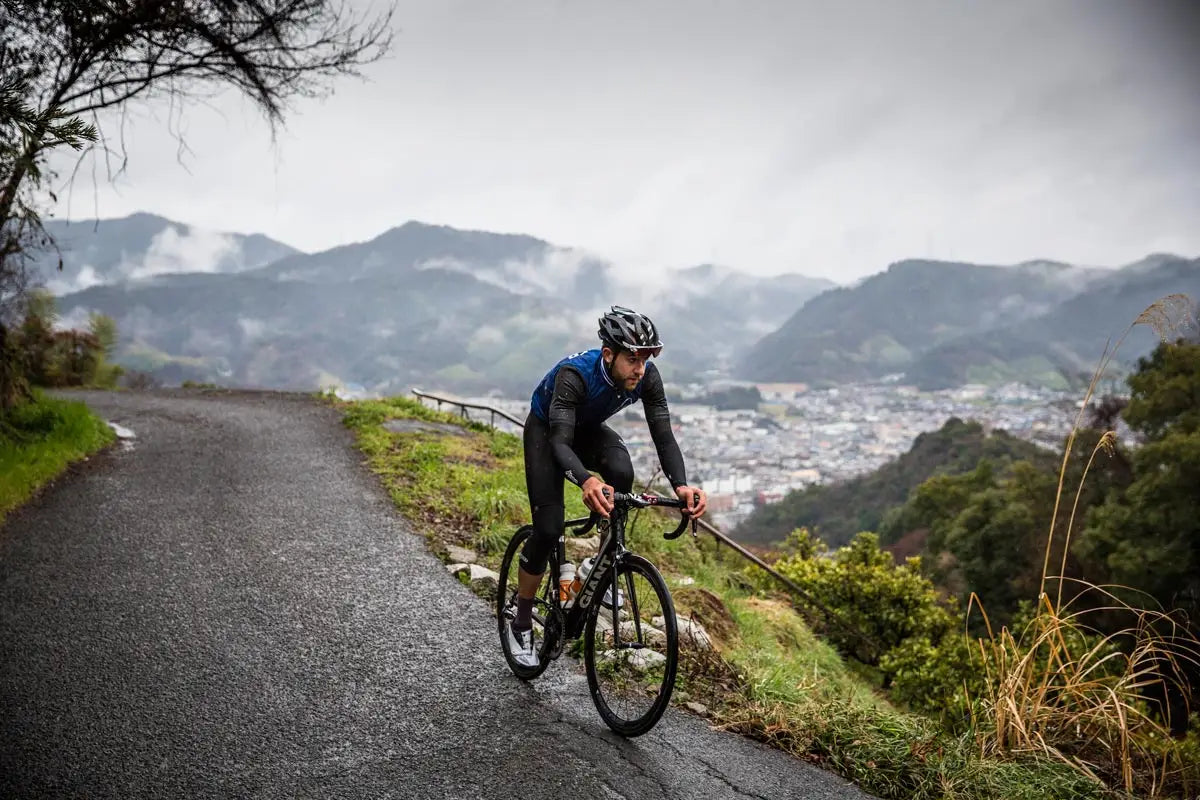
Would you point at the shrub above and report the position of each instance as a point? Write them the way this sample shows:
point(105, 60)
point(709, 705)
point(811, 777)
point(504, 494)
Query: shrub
point(863, 585)
point(939, 679)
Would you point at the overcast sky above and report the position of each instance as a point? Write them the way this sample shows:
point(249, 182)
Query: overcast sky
point(826, 138)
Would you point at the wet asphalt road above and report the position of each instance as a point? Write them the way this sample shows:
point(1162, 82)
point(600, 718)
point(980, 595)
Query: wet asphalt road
point(233, 608)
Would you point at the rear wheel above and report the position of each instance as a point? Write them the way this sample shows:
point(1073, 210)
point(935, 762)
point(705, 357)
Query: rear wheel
point(547, 620)
point(631, 650)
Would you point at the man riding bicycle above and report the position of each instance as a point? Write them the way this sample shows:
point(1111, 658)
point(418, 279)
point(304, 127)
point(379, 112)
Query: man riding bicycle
point(565, 434)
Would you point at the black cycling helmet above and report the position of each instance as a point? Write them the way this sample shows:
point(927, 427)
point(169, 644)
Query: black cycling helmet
point(624, 329)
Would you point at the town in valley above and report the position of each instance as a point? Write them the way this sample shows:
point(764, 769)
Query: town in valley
point(800, 436)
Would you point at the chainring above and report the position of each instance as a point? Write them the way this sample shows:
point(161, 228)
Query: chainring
point(552, 633)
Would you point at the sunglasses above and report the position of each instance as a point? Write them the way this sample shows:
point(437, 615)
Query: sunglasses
point(651, 351)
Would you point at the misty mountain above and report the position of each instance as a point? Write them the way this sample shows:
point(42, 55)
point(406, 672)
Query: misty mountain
point(724, 311)
point(889, 321)
point(1069, 340)
point(517, 263)
point(106, 251)
point(472, 311)
point(249, 329)
point(420, 305)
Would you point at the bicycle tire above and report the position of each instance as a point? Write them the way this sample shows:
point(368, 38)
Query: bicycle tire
point(504, 596)
point(636, 726)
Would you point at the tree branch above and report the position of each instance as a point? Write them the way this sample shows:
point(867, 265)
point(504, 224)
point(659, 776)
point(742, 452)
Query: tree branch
point(61, 59)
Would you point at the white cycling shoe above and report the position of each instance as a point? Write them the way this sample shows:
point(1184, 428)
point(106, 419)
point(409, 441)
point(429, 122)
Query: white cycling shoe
point(523, 646)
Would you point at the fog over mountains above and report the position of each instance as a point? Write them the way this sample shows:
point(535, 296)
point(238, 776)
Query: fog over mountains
point(472, 311)
point(96, 252)
point(943, 324)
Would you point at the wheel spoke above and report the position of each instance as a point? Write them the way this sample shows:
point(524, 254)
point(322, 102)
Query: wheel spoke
point(631, 663)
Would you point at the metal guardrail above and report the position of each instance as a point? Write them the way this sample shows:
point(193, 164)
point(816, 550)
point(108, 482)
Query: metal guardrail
point(465, 405)
point(705, 524)
point(791, 585)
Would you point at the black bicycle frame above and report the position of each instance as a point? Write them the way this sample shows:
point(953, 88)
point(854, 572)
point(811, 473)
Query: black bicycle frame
point(612, 552)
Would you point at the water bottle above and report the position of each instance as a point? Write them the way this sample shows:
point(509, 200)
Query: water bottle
point(575, 583)
point(585, 569)
point(566, 582)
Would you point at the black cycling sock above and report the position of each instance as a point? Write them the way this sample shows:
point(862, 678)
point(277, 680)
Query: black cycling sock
point(524, 620)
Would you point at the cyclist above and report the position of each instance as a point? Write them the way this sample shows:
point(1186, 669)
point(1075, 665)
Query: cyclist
point(565, 434)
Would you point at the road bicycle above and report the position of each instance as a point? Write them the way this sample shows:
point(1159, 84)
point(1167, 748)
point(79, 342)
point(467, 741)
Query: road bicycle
point(623, 611)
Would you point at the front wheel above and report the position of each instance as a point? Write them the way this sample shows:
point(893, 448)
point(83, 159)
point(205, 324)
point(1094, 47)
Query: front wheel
point(631, 649)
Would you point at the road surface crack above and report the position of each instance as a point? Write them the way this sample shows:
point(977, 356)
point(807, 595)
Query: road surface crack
point(561, 719)
point(713, 771)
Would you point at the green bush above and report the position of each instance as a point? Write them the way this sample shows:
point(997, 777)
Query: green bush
point(941, 680)
point(36, 354)
point(862, 584)
point(925, 660)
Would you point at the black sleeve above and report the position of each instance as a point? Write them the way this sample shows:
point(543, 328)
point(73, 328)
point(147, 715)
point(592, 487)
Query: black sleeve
point(570, 392)
point(658, 419)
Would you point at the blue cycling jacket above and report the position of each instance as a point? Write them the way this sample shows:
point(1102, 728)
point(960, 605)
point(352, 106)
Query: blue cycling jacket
point(603, 398)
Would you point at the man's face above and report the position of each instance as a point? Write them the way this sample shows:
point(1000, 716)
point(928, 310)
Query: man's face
point(627, 368)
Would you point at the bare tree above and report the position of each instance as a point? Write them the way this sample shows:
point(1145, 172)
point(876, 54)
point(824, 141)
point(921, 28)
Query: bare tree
point(63, 61)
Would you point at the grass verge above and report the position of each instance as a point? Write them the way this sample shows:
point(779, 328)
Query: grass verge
point(767, 675)
point(39, 440)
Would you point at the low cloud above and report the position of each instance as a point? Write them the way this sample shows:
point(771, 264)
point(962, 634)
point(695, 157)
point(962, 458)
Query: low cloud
point(554, 273)
point(828, 139)
point(203, 342)
point(252, 329)
point(172, 252)
point(77, 319)
point(84, 279)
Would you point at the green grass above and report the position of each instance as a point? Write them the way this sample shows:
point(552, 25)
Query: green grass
point(896, 755)
point(474, 485)
point(786, 663)
point(768, 676)
point(39, 440)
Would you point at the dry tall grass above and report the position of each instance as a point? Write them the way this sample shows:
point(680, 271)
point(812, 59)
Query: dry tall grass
point(1060, 688)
